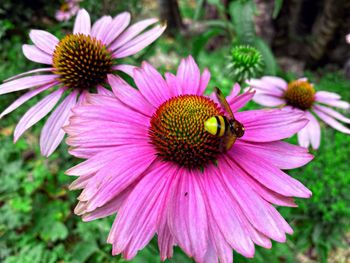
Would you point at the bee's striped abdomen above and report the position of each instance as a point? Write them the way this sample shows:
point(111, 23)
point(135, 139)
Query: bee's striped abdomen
point(220, 123)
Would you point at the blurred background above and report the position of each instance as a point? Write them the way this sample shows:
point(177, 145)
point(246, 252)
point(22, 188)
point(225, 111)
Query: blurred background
point(294, 37)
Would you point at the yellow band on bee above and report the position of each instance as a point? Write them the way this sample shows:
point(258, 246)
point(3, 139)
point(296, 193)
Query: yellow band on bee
point(221, 126)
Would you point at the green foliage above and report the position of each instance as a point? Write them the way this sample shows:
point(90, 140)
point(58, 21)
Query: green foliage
point(246, 62)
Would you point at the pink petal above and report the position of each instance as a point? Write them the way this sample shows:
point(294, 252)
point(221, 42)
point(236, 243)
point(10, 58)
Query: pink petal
point(174, 86)
point(332, 113)
point(103, 91)
point(24, 98)
point(240, 101)
point(33, 53)
point(268, 175)
point(128, 69)
point(93, 164)
point(327, 95)
point(268, 100)
point(280, 154)
point(101, 28)
point(139, 42)
point(303, 137)
point(276, 81)
point(258, 212)
point(314, 130)
point(52, 133)
point(131, 32)
point(265, 87)
point(26, 83)
point(44, 40)
point(187, 216)
point(137, 220)
point(332, 122)
point(271, 125)
point(329, 101)
point(151, 84)
point(234, 92)
point(118, 25)
point(130, 96)
point(225, 213)
point(204, 80)
point(37, 112)
point(119, 174)
point(110, 208)
point(28, 73)
point(166, 240)
point(82, 23)
point(188, 76)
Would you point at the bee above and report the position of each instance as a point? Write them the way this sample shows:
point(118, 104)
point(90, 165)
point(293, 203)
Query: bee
point(226, 127)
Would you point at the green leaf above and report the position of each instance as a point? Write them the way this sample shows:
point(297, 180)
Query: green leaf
point(55, 231)
point(201, 40)
point(242, 13)
point(269, 59)
point(82, 251)
point(277, 8)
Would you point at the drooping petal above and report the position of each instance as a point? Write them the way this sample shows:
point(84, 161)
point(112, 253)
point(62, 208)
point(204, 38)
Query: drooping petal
point(268, 175)
point(258, 212)
point(137, 220)
point(139, 42)
point(28, 73)
point(332, 113)
point(117, 26)
point(228, 218)
point(303, 137)
point(117, 175)
point(26, 83)
point(281, 154)
point(82, 23)
point(44, 40)
point(33, 53)
point(332, 122)
point(187, 216)
point(331, 101)
point(52, 133)
point(327, 95)
point(271, 125)
point(37, 112)
point(130, 96)
point(132, 32)
point(103, 91)
point(314, 130)
point(188, 76)
point(24, 98)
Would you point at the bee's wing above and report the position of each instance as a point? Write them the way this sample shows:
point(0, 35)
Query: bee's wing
point(224, 102)
point(227, 141)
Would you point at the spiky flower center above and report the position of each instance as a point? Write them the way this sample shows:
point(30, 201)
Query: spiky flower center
point(178, 134)
point(300, 94)
point(81, 61)
point(246, 62)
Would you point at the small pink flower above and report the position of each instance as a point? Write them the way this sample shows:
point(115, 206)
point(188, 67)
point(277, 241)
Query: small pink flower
point(79, 63)
point(68, 9)
point(300, 94)
point(150, 160)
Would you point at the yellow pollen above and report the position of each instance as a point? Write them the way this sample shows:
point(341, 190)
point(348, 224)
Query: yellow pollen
point(300, 94)
point(81, 61)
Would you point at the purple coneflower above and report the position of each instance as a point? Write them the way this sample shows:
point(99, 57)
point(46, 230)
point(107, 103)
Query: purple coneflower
point(150, 159)
point(80, 63)
point(300, 94)
point(68, 9)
